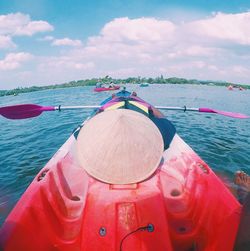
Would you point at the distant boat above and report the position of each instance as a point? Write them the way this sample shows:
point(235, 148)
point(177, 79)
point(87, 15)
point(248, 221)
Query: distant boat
point(144, 85)
point(232, 87)
point(103, 89)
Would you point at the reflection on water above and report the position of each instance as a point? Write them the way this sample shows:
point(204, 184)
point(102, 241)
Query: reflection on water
point(26, 145)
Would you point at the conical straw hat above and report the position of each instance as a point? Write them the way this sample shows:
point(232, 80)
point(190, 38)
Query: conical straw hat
point(120, 147)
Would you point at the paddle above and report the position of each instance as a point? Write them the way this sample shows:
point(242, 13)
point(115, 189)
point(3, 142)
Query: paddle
point(32, 110)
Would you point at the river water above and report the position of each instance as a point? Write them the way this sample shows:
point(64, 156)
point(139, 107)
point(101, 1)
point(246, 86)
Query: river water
point(26, 145)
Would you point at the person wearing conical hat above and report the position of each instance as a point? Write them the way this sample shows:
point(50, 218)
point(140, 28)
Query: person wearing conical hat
point(120, 147)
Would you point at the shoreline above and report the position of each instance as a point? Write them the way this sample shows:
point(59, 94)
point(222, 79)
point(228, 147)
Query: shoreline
point(92, 82)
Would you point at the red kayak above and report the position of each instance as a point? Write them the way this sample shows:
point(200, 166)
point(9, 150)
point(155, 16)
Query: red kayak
point(181, 206)
point(103, 89)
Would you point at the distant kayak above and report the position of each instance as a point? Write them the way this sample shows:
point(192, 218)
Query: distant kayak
point(231, 88)
point(103, 89)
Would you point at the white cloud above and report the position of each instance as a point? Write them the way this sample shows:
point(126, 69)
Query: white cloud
point(231, 27)
point(213, 67)
point(6, 42)
point(65, 63)
point(197, 50)
point(13, 61)
point(137, 30)
point(241, 70)
point(33, 27)
point(147, 40)
point(142, 43)
point(66, 42)
point(18, 24)
point(123, 72)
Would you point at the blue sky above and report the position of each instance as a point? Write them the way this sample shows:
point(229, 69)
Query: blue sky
point(55, 41)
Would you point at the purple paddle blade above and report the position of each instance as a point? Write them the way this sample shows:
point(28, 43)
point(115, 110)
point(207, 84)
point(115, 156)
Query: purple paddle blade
point(229, 114)
point(24, 111)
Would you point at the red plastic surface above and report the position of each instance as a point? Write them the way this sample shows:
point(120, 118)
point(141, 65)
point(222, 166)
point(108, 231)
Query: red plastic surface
point(102, 89)
point(65, 209)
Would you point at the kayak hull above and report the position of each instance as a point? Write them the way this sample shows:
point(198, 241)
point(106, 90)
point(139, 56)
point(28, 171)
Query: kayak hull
point(103, 89)
point(178, 208)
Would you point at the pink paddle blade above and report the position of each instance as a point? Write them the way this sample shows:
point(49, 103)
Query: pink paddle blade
point(228, 114)
point(24, 111)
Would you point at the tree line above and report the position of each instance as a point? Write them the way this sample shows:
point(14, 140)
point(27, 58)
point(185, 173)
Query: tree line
point(108, 79)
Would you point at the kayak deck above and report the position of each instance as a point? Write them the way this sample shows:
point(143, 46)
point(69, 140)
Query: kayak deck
point(183, 206)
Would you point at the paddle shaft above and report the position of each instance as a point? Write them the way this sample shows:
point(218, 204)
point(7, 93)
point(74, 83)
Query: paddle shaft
point(32, 110)
point(60, 107)
point(184, 108)
point(206, 110)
